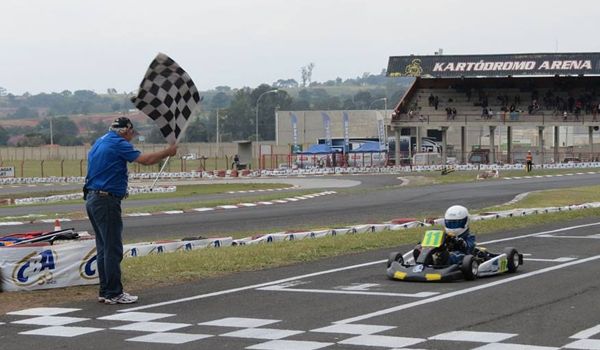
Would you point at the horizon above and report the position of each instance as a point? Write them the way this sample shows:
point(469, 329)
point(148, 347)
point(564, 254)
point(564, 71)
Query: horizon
point(74, 45)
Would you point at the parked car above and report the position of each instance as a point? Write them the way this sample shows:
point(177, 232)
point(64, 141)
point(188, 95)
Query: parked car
point(571, 160)
point(190, 156)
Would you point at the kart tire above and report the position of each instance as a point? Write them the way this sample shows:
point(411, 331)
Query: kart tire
point(469, 267)
point(395, 256)
point(512, 257)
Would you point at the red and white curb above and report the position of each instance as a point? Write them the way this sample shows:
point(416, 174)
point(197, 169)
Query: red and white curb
point(264, 190)
point(543, 176)
point(200, 210)
point(238, 206)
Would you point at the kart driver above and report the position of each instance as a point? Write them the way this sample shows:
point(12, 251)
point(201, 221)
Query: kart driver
point(456, 223)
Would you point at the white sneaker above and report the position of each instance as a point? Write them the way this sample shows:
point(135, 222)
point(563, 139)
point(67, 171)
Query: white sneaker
point(123, 298)
point(101, 299)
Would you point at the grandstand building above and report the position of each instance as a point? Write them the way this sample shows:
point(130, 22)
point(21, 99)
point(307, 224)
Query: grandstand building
point(480, 100)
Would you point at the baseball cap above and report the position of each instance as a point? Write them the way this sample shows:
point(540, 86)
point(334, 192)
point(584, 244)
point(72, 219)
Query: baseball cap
point(122, 122)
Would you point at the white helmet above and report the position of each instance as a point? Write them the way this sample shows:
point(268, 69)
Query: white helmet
point(456, 220)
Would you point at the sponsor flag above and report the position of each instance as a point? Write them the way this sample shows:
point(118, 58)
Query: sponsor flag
point(294, 121)
point(168, 95)
point(380, 130)
point(346, 123)
point(327, 127)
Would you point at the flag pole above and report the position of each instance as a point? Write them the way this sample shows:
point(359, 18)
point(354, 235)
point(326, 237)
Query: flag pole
point(160, 172)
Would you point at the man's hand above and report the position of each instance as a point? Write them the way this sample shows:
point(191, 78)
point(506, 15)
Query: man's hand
point(171, 150)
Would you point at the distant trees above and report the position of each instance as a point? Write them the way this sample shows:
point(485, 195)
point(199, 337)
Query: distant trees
point(4, 135)
point(24, 112)
point(237, 108)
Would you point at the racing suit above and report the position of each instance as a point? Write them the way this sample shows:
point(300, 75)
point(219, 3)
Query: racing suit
point(465, 243)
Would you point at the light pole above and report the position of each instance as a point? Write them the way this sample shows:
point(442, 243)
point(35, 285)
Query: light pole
point(217, 138)
point(256, 122)
point(384, 99)
point(51, 133)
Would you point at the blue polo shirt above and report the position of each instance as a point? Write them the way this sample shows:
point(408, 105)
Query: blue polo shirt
point(107, 164)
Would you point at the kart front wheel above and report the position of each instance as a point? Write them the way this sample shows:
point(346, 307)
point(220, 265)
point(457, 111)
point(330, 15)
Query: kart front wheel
point(512, 257)
point(395, 256)
point(469, 267)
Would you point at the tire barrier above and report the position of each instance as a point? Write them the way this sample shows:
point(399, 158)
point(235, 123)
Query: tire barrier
point(227, 174)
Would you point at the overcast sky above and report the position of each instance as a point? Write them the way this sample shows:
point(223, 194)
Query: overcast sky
point(56, 45)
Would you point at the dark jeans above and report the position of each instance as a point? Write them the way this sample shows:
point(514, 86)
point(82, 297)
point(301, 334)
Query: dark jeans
point(104, 213)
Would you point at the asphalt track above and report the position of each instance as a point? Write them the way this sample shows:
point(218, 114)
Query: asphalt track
point(347, 302)
point(375, 198)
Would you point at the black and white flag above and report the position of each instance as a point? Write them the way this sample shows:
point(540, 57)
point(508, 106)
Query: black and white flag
point(168, 95)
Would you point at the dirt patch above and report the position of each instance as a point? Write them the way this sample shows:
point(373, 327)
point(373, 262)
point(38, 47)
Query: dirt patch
point(12, 301)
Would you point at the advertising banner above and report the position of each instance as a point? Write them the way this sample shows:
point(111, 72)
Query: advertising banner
point(445, 66)
point(7, 171)
point(48, 266)
point(327, 127)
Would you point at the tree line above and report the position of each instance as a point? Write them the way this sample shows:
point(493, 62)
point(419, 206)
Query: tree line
point(236, 109)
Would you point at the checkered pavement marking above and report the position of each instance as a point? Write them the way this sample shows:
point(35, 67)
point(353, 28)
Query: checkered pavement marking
point(135, 316)
point(481, 337)
point(62, 331)
point(362, 335)
point(239, 322)
point(43, 311)
point(151, 326)
point(290, 345)
point(51, 320)
point(382, 341)
point(507, 346)
point(262, 333)
point(169, 338)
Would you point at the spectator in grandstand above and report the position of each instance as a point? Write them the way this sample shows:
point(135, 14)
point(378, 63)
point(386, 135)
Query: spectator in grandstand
point(571, 104)
point(534, 107)
point(448, 113)
point(436, 102)
point(431, 99)
point(490, 113)
point(484, 113)
point(453, 113)
point(578, 106)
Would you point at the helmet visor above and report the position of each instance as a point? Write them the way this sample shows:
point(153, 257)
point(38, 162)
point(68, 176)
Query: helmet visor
point(454, 224)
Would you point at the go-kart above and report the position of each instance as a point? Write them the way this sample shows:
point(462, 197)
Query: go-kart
point(429, 261)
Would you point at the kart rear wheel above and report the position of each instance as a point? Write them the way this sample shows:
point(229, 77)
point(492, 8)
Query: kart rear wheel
point(469, 267)
point(512, 257)
point(395, 256)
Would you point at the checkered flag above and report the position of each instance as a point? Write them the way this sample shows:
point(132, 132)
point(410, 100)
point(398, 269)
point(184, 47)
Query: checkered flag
point(168, 95)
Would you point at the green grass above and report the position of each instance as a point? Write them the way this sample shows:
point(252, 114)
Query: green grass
point(471, 176)
point(555, 198)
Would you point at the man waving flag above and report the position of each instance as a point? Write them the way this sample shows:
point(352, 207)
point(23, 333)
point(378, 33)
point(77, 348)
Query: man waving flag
point(168, 95)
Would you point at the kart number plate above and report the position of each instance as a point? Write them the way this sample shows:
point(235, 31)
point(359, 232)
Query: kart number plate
point(432, 238)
